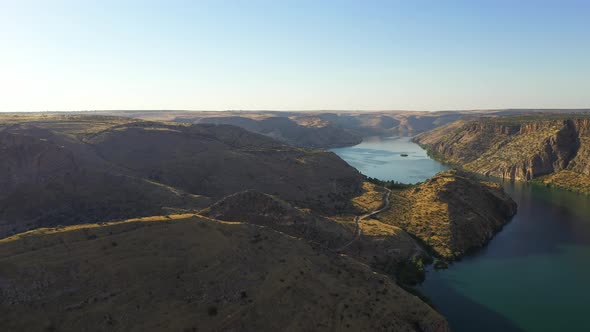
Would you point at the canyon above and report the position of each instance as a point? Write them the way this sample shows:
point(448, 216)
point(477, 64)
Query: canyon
point(210, 200)
point(550, 149)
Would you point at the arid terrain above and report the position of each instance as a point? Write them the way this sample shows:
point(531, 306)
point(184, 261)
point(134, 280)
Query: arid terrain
point(114, 223)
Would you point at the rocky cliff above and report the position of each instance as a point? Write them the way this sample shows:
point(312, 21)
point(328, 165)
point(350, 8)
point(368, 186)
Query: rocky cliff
point(552, 148)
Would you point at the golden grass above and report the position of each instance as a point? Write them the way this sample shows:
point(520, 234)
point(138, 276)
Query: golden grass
point(567, 180)
point(372, 227)
point(449, 212)
point(64, 229)
point(186, 273)
point(371, 199)
point(422, 214)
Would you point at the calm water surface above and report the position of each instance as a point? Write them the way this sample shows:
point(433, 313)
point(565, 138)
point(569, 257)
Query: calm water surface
point(381, 158)
point(533, 276)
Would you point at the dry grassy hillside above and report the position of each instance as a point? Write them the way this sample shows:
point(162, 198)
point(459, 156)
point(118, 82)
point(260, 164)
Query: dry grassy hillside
point(312, 133)
point(311, 129)
point(377, 244)
point(451, 212)
point(218, 160)
point(51, 178)
point(185, 273)
point(68, 169)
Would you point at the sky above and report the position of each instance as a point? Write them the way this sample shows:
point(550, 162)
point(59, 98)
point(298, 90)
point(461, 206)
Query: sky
point(294, 55)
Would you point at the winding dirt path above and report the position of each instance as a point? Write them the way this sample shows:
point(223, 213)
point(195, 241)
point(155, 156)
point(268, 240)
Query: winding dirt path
point(357, 230)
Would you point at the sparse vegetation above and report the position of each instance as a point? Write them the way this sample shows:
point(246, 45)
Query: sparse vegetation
point(391, 184)
point(446, 212)
point(553, 149)
point(411, 272)
point(199, 280)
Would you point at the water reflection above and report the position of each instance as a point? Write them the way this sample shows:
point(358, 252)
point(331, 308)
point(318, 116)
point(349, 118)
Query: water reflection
point(381, 157)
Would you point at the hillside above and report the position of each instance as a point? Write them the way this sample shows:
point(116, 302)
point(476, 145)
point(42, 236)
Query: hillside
point(310, 129)
point(553, 149)
point(321, 134)
point(327, 129)
point(51, 179)
point(218, 160)
point(236, 227)
point(62, 170)
point(450, 212)
point(372, 242)
point(189, 273)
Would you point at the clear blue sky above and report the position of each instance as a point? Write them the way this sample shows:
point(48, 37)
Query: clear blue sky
point(294, 55)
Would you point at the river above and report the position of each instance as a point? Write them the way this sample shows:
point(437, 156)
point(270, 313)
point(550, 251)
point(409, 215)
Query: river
point(533, 276)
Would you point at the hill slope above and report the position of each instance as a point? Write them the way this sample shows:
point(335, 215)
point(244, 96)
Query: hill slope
point(49, 179)
point(451, 212)
point(371, 242)
point(218, 160)
point(65, 170)
point(320, 134)
point(190, 273)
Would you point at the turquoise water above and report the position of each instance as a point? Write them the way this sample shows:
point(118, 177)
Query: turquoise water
point(533, 276)
point(381, 158)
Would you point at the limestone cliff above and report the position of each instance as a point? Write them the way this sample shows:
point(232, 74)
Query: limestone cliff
point(553, 148)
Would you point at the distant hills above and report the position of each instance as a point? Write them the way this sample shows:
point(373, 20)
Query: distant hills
point(76, 169)
point(326, 129)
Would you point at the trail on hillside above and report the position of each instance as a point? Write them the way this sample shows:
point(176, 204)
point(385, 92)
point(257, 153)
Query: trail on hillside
point(358, 219)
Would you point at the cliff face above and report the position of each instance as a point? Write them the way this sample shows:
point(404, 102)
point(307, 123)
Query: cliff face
point(451, 212)
point(517, 148)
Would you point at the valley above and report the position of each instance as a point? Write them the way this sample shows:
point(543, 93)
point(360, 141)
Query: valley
point(72, 183)
point(297, 166)
point(530, 277)
point(81, 189)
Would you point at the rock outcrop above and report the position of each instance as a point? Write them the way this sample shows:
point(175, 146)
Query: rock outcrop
point(518, 148)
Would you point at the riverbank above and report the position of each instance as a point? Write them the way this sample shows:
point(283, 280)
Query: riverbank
point(528, 278)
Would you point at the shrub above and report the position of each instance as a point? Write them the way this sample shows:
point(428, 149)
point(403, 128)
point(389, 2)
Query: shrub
point(212, 311)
